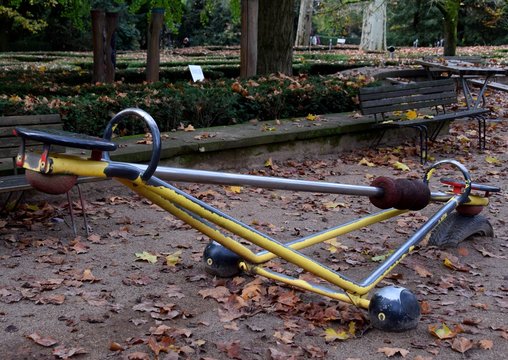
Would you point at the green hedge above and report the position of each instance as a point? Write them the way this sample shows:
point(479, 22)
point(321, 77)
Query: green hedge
point(86, 108)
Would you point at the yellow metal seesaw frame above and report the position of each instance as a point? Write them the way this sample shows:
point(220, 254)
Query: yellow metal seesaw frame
point(210, 220)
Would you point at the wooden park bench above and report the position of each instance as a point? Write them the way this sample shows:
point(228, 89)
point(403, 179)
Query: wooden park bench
point(389, 103)
point(11, 180)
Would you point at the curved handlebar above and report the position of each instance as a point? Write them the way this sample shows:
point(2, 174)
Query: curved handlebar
point(154, 131)
point(467, 177)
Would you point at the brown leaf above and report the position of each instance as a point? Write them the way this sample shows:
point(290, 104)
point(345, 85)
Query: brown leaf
point(219, 293)
point(94, 238)
point(232, 349)
point(422, 272)
point(47, 341)
point(315, 352)
point(64, 353)
point(454, 265)
point(425, 307)
point(462, 344)
point(114, 346)
point(57, 299)
point(88, 276)
point(174, 291)
point(486, 344)
point(138, 356)
point(285, 337)
point(389, 352)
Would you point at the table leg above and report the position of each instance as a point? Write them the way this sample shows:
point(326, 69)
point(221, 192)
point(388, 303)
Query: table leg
point(471, 103)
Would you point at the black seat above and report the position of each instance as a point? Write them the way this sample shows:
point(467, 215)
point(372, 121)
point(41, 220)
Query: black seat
point(66, 138)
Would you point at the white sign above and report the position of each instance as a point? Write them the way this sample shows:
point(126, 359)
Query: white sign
point(341, 41)
point(196, 73)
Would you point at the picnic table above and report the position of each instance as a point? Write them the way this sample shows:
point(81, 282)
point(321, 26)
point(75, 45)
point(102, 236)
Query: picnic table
point(465, 70)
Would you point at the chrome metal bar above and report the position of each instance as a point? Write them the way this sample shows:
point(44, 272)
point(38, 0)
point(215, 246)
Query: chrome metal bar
point(221, 178)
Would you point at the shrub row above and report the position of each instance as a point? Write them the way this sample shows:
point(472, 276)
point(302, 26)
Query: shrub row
point(87, 108)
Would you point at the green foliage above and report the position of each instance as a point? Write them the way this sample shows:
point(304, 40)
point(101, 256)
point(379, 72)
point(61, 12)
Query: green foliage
point(173, 10)
point(86, 108)
point(211, 22)
point(21, 19)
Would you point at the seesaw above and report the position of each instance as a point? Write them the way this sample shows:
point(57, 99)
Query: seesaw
point(391, 308)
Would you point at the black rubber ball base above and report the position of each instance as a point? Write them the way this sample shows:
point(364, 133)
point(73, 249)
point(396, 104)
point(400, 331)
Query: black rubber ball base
point(220, 261)
point(394, 309)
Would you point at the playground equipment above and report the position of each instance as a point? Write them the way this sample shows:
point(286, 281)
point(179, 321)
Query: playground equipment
point(390, 308)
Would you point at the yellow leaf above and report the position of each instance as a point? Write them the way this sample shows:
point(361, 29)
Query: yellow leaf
point(366, 162)
point(411, 115)
point(352, 328)
point(32, 207)
point(493, 160)
point(400, 166)
point(332, 335)
point(146, 256)
point(463, 139)
point(14, 98)
point(269, 163)
point(333, 205)
point(174, 258)
point(443, 332)
point(311, 117)
point(234, 189)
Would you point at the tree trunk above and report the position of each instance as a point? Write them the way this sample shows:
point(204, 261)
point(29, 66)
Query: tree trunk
point(98, 27)
point(153, 50)
point(374, 27)
point(304, 23)
point(275, 37)
point(249, 38)
point(450, 11)
point(4, 34)
point(110, 46)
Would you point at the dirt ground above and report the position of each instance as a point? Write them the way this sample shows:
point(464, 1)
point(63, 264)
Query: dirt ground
point(99, 297)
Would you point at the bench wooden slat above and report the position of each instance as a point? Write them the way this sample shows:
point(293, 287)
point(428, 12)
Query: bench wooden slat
point(9, 143)
point(22, 120)
point(384, 93)
point(445, 97)
point(420, 86)
point(7, 131)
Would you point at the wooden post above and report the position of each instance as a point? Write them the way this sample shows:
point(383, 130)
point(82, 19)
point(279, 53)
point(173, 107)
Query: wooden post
point(98, 27)
point(249, 39)
point(153, 51)
point(110, 46)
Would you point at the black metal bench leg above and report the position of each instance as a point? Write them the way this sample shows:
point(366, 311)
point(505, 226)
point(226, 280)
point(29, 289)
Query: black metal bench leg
point(436, 131)
point(424, 144)
point(16, 204)
point(424, 140)
point(83, 210)
point(377, 140)
point(482, 132)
